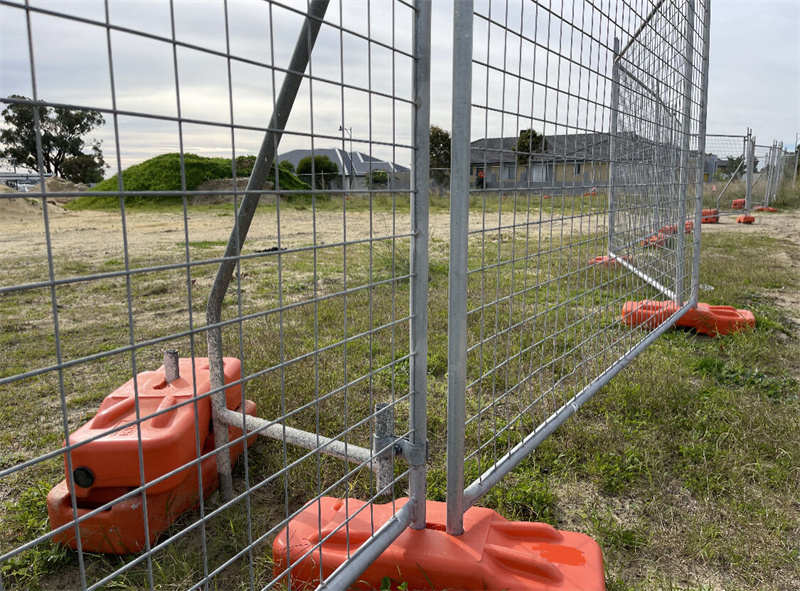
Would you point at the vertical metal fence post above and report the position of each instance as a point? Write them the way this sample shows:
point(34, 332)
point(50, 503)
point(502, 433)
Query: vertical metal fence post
point(701, 150)
point(796, 157)
point(418, 306)
point(459, 251)
point(683, 182)
point(750, 149)
point(613, 143)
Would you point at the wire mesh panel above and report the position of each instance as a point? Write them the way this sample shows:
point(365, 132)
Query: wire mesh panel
point(263, 225)
point(725, 173)
point(578, 130)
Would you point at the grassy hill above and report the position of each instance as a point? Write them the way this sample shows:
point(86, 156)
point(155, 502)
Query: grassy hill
point(163, 173)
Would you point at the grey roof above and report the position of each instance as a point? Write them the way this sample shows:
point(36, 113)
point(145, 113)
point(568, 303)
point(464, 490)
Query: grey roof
point(361, 163)
point(577, 147)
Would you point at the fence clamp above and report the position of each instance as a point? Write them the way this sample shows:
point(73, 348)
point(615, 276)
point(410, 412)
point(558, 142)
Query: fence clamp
point(415, 455)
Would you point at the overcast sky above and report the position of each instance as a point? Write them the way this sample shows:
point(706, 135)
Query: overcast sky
point(754, 71)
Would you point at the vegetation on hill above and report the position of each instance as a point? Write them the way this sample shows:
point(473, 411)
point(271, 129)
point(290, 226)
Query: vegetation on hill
point(163, 174)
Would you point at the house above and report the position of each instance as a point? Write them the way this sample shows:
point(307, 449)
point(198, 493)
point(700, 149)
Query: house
point(354, 172)
point(578, 161)
point(570, 160)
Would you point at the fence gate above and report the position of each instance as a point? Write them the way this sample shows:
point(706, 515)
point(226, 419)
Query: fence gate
point(285, 307)
point(557, 284)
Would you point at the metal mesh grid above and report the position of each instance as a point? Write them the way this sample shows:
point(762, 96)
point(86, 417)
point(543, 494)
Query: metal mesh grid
point(768, 178)
point(609, 170)
point(725, 174)
point(319, 307)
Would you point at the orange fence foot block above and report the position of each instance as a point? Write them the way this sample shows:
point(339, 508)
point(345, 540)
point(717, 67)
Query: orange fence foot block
point(106, 462)
point(120, 529)
point(492, 553)
point(745, 219)
point(168, 440)
point(608, 261)
point(710, 216)
point(765, 208)
point(738, 204)
point(705, 319)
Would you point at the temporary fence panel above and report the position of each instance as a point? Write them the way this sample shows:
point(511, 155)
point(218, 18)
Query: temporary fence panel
point(589, 121)
point(286, 307)
point(792, 161)
point(725, 174)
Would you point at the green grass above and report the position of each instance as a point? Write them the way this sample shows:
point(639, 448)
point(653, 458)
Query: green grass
point(683, 468)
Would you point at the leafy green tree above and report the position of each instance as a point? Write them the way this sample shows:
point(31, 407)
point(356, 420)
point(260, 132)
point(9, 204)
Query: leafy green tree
point(84, 168)
point(530, 142)
point(323, 167)
point(286, 165)
point(378, 178)
point(62, 133)
point(440, 155)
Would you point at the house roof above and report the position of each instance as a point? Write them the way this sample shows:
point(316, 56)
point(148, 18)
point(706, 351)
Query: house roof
point(361, 163)
point(570, 147)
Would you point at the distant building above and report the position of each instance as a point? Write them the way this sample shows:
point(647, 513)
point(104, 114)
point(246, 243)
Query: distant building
point(18, 177)
point(354, 173)
point(571, 160)
point(576, 162)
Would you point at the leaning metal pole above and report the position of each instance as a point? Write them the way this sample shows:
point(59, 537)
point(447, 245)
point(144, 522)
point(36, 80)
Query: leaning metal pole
point(257, 182)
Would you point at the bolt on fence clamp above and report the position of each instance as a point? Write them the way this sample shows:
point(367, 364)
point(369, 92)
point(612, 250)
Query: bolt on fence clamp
point(414, 455)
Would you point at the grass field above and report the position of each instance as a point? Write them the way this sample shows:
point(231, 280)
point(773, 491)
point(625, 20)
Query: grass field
point(684, 468)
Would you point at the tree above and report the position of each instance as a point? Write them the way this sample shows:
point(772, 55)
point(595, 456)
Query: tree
point(62, 134)
point(322, 166)
point(729, 165)
point(440, 155)
point(530, 142)
point(84, 168)
point(286, 165)
point(378, 178)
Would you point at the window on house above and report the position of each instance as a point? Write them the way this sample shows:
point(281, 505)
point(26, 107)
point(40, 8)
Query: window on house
point(577, 169)
point(509, 172)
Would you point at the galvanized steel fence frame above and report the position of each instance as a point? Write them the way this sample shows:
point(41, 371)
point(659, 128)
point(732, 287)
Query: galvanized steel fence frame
point(656, 115)
point(637, 199)
point(726, 145)
point(384, 372)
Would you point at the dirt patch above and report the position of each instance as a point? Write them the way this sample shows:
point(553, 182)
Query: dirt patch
point(56, 184)
point(224, 192)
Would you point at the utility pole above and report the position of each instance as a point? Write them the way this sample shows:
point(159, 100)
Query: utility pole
point(349, 131)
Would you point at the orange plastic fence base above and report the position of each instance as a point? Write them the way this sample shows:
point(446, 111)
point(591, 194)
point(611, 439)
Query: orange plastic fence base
point(168, 440)
point(659, 239)
point(738, 204)
point(608, 261)
point(710, 216)
point(745, 219)
point(705, 319)
point(765, 208)
point(120, 529)
point(492, 553)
